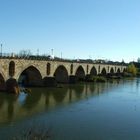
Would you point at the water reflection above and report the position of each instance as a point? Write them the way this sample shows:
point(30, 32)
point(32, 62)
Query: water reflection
point(60, 94)
point(137, 82)
point(32, 100)
point(13, 108)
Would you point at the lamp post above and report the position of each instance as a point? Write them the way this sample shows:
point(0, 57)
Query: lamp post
point(52, 55)
point(37, 52)
point(1, 49)
point(61, 55)
point(52, 52)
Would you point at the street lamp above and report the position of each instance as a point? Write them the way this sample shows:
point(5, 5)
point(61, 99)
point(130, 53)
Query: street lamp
point(52, 55)
point(1, 49)
point(37, 52)
point(52, 52)
point(61, 55)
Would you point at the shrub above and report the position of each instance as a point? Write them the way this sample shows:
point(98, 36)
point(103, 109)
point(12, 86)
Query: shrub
point(96, 79)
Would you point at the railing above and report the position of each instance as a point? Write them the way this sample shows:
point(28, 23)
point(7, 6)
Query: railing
point(49, 58)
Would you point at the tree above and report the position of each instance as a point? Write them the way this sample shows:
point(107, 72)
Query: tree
point(25, 53)
point(138, 60)
point(132, 69)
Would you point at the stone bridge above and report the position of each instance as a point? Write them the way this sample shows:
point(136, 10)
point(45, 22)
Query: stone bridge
point(38, 72)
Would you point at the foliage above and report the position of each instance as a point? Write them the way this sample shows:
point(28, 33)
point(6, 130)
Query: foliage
point(132, 69)
point(96, 79)
point(100, 79)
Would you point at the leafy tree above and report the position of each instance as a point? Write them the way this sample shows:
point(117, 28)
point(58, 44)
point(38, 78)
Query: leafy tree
point(132, 69)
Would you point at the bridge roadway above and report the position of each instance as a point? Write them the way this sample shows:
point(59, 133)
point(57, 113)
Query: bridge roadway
point(38, 72)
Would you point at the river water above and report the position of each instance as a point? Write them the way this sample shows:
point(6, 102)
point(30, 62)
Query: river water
point(84, 111)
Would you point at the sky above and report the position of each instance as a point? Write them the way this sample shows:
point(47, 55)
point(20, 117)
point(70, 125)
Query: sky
point(83, 29)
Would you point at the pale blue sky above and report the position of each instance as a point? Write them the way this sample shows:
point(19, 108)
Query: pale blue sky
point(106, 29)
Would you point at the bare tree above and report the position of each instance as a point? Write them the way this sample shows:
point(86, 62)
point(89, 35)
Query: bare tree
point(25, 53)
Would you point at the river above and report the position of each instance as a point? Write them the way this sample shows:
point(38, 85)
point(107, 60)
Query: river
point(84, 111)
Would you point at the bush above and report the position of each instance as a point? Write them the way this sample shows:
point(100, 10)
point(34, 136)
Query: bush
point(100, 79)
point(96, 79)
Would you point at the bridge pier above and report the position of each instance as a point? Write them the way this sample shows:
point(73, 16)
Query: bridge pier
point(88, 78)
point(72, 79)
point(52, 82)
point(49, 82)
point(12, 86)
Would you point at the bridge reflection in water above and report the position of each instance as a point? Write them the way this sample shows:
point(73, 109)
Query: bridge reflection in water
point(14, 108)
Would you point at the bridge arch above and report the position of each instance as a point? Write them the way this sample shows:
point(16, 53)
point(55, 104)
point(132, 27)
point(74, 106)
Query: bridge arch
point(118, 71)
point(61, 74)
point(112, 71)
point(3, 75)
point(93, 71)
point(103, 72)
point(80, 73)
point(124, 70)
point(30, 76)
point(2, 82)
